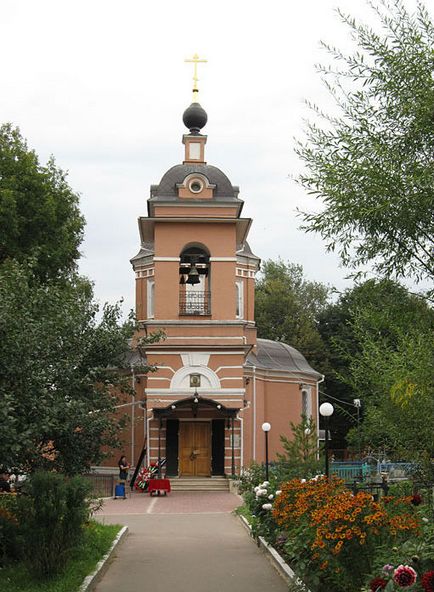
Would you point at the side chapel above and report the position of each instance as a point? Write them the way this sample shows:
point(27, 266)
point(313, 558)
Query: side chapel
point(216, 383)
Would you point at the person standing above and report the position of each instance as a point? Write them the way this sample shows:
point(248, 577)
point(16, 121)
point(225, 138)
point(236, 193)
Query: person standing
point(123, 468)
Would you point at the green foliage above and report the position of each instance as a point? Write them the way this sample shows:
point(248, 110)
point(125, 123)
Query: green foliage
point(251, 476)
point(417, 553)
point(96, 541)
point(39, 214)
point(379, 341)
point(62, 360)
point(393, 373)
point(287, 307)
point(371, 164)
point(52, 515)
point(401, 488)
point(9, 532)
point(301, 453)
point(258, 500)
point(59, 365)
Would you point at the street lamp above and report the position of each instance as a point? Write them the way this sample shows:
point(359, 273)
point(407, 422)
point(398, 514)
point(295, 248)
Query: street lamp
point(326, 410)
point(357, 404)
point(266, 427)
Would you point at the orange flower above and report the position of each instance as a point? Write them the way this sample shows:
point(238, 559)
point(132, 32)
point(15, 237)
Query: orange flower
point(337, 548)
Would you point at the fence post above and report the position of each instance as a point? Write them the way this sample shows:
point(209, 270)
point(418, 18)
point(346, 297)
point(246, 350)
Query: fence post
point(384, 484)
point(355, 486)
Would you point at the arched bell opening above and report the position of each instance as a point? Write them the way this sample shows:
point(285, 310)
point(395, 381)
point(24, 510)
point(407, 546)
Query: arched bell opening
point(194, 281)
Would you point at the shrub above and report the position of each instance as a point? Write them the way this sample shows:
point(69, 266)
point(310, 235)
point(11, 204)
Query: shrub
point(401, 488)
point(251, 476)
point(259, 502)
point(9, 532)
point(52, 513)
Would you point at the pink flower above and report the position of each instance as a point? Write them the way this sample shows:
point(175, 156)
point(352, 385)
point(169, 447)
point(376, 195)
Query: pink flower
point(404, 576)
point(428, 581)
point(416, 500)
point(377, 584)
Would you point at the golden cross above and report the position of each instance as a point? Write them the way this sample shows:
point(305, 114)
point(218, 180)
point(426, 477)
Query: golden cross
point(195, 60)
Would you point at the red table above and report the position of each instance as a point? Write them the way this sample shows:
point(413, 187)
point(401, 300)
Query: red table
point(159, 485)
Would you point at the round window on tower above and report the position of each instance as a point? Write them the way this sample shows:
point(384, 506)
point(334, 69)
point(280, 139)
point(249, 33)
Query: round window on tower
point(195, 186)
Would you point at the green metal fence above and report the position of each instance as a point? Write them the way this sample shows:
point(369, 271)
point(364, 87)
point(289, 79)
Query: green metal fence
point(348, 471)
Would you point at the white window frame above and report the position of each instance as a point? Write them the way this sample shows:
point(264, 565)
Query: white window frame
point(150, 304)
point(306, 401)
point(239, 303)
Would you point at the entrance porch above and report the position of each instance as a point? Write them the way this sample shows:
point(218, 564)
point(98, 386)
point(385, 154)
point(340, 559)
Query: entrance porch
point(197, 437)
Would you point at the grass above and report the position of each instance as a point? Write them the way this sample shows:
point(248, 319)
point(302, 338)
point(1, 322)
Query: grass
point(96, 542)
point(245, 512)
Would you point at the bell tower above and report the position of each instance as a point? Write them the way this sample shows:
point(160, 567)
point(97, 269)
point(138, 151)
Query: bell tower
point(194, 260)
point(195, 277)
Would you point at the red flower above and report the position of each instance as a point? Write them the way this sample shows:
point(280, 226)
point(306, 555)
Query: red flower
point(428, 581)
point(404, 576)
point(377, 584)
point(416, 500)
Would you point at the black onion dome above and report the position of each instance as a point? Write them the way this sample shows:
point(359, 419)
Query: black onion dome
point(195, 118)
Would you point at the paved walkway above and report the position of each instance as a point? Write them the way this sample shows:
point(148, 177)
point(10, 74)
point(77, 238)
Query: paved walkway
point(185, 542)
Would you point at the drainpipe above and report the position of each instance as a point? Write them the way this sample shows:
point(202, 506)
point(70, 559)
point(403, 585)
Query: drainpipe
point(254, 413)
point(133, 417)
point(233, 449)
point(145, 427)
point(160, 425)
point(148, 440)
point(242, 434)
point(241, 420)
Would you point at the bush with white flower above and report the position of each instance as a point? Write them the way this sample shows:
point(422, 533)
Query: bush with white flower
point(259, 501)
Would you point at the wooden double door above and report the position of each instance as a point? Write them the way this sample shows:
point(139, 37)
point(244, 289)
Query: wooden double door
point(194, 449)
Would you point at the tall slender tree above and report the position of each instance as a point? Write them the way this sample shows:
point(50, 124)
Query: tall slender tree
point(370, 164)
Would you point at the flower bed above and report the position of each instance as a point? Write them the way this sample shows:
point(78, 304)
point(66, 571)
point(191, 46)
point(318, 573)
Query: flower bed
point(337, 540)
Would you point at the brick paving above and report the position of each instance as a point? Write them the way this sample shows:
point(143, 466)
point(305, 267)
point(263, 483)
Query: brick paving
point(176, 502)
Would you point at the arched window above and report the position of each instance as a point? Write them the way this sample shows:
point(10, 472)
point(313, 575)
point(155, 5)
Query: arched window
point(239, 303)
point(306, 402)
point(150, 299)
point(194, 281)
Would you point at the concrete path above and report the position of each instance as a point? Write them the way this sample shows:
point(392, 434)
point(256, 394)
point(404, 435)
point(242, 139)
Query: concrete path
point(185, 542)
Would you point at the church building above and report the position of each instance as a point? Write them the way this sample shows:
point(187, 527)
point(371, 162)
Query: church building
point(216, 383)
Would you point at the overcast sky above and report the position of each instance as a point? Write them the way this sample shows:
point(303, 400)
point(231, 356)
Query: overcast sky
point(102, 86)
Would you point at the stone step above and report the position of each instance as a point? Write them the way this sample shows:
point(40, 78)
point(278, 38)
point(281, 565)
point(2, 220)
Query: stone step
point(200, 484)
point(192, 489)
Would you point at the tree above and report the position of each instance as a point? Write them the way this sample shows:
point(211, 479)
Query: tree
point(59, 371)
point(300, 458)
point(287, 307)
point(395, 371)
point(39, 213)
point(385, 300)
point(380, 345)
point(372, 165)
